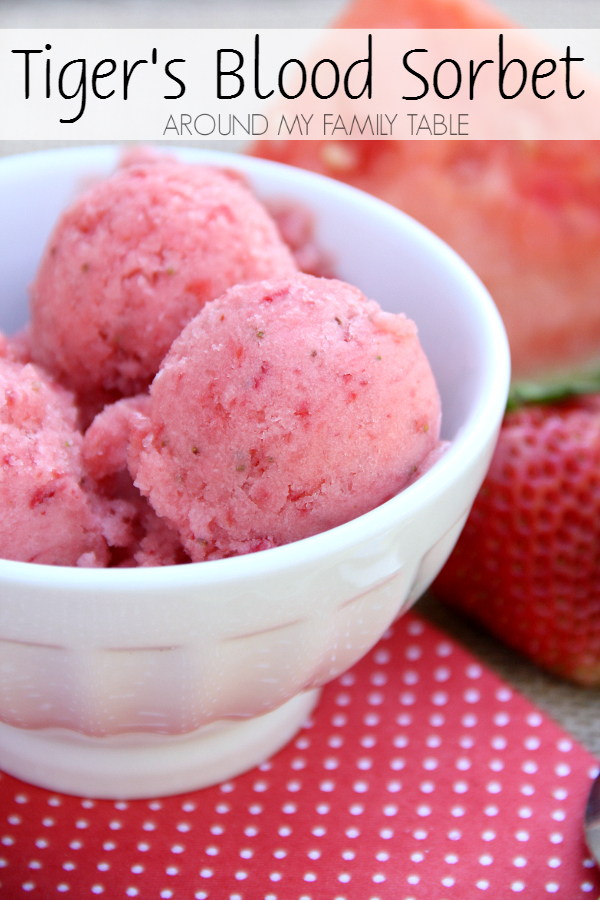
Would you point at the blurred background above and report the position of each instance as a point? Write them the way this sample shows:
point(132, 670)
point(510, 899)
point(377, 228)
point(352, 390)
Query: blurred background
point(577, 709)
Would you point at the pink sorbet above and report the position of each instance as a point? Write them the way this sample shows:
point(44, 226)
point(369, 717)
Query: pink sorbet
point(133, 260)
point(283, 409)
point(47, 516)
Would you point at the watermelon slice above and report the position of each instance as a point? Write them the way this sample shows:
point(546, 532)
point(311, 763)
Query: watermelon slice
point(524, 215)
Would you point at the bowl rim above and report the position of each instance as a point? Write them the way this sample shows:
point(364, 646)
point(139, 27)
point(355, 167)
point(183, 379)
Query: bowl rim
point(472, 437)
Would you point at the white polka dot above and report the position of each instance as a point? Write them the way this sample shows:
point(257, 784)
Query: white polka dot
point(379, 878)
point(554, 863)
point(463, 764)
point(522, 836)
point(97, 889)
point(532, 742)
point(303, 743)
point(517, 887)
point(212, 851)
point(28, 885)
point(427, 787)
point(527, 790)
point(562, 770)
point(469, 720)
point(473, 670)
point(62, 888)
point(496, 765)
point(389, 809)
point(417, 857)
point(434, 740)
point(593, 772)
point(501, 719)
point(260, 786)
point(413, 652)
point(559, 815)
point(202, 895)
point(457, 811)
point(486, 859)
point(354, 832)
point(348, 679)
point(472, 695)
point(529, 767)
point(310, 876)
point(343, 699)
point(131, 892)
point(413, 879)
point(488, 835)
point(183, 827)
point(109, 845)
point(393, 787)
point(339, 720)
point(451, 859)
point(143, 847)
point(294, 786)
point(442, 673)
point(356, 809)
point(482, 884)
point(331, 763)
point(423, 810)
point(466, 742)
point(407, 698)
point(275, 876)
point(344, 877)
point(504, 694)
point(493, 787)
point(444, 649)
point(166, 894)
point(172, 870)
point(188, 806)
point(556, 838)
point(498, 742)
point(115, 825)
point(430, 763)
point(368, 740)
point(371, 719)
point(587, 886)
point(382, 656)
point(103, 866)
point(218, 829)
point(534, 719)
point(491, 810)
point(448, 881)
point(420, 834)
point(318, 831)
point(322, 808)
point(206, 873)
point(364, 764)
point(460, 787)
point(455, 834)
point(68, 866)
point(439, 698)
point(410, 677)
point(525, 813)
point(551, 887)
point(519, 862)
point(289, 808)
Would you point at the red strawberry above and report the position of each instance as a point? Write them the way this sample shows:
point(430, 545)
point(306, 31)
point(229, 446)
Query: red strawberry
point(527, 565)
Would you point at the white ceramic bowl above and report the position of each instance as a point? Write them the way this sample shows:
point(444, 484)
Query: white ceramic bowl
point(141, 682)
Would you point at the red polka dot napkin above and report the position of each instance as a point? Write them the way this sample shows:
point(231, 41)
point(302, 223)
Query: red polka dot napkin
point(420, 775)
